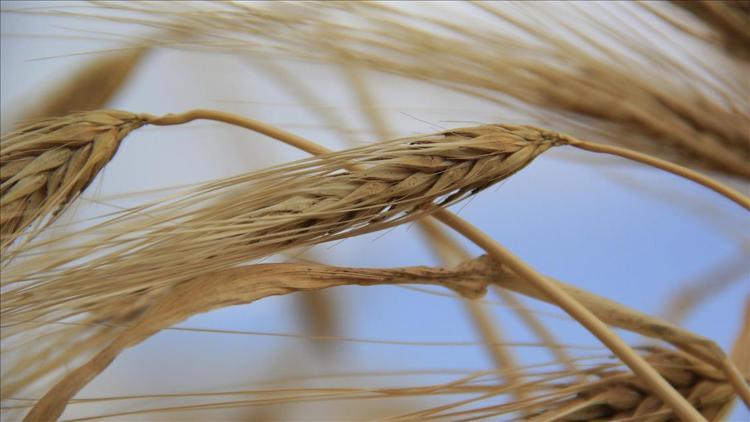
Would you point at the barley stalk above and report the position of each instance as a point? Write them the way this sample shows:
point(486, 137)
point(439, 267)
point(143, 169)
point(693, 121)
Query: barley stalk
point(107, 322)
point(239, 286)
point(250, 283)
point(730, 193)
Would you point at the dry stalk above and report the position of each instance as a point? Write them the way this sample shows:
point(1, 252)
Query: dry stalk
point(250, 283)
point(730, 193)
point(103, 327)
point(239, 286)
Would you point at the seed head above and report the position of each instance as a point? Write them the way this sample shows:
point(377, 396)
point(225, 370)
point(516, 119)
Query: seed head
point(45, 164)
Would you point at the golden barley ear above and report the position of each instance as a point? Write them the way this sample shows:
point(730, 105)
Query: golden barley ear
point(615, 394)
point(45, 164)
point(279, 209)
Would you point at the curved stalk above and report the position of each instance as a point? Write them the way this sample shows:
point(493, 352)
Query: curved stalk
point(673, 168)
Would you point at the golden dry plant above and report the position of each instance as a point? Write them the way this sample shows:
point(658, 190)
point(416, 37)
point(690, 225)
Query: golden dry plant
point(602, 82)
point(79, 294)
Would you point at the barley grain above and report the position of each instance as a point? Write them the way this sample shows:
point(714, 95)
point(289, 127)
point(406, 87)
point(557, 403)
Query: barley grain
point(47, 164)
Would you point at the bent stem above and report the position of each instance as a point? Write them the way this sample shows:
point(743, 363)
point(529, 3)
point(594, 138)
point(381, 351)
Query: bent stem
point(673, 168)
point(637, 364)
point(238, 286)
point(448, 248)
point(233, 119)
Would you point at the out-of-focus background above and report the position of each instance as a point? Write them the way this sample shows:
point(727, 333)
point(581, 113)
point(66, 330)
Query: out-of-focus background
point(624, 231)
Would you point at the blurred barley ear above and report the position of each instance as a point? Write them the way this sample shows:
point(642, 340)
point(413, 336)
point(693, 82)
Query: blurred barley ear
point(91, 87)
point(730, 20)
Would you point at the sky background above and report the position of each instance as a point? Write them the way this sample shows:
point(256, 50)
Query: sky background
point(630, 233)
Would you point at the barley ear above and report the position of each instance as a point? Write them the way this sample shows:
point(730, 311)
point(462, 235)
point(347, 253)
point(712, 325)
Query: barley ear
point(46, 164)
point(91, 87)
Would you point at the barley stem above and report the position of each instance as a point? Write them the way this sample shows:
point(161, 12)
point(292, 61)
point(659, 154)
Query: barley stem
point(232, 119)
point(673, 168)
point(636, 363)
